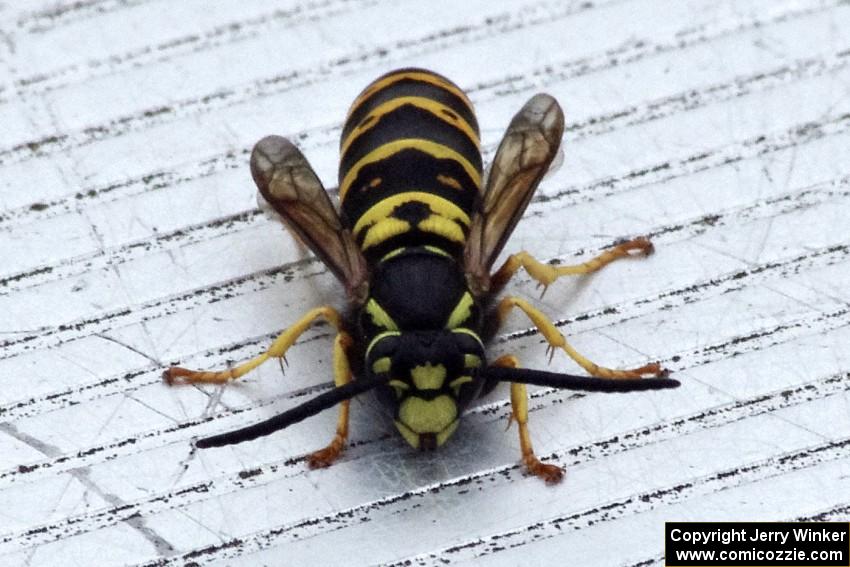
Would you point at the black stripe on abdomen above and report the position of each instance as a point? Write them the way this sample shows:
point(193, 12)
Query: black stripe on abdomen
point(410, 121)
point(414, 171)
point(409, 82)
point(410, 166)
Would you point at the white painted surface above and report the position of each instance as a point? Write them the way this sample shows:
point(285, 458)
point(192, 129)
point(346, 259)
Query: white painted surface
point(130, 240)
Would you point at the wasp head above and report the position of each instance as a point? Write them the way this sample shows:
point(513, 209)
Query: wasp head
point(432, 377)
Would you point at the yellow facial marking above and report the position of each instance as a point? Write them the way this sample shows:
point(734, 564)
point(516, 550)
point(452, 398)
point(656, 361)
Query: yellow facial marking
point(409, 436)
point(458, 382)
point(385, 207)
point(433, 149)
point(382, 365)
point(471, 361)
point(443, 435)
point(383, 230)
point(380, 317)
point(461, 312)
point(427, 416)
point(449, 181)
point(428, 377)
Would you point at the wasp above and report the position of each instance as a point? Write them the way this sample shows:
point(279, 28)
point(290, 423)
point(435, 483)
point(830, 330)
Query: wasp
point(414, 242)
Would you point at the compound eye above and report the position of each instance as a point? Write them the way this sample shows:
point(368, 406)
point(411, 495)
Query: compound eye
point(385, 344)
point(380, 352)
point(399, 387)
point(470, 345)
point(456, 384)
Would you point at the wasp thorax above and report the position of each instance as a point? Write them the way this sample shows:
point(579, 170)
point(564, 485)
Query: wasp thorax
point(432, 378)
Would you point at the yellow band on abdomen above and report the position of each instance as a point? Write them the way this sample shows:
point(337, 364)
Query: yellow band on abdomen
point(433, 149)
point(440, 111)
point(385, 207)
point(429, 78)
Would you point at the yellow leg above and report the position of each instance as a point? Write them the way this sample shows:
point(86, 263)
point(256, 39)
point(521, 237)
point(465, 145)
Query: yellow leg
point(519, 411)
point(557, 340)
point(278, 349)
point(545, 274)
point(342, 376)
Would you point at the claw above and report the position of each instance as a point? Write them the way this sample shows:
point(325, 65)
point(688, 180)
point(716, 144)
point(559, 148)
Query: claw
point(651, 370)
point(552, 474)
point(173, 375)
point(550, 351)
point(323, 458)
point(166, 376)
point(641, 246)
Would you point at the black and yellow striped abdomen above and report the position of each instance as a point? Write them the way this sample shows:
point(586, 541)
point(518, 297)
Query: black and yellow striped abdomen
point(410, 164)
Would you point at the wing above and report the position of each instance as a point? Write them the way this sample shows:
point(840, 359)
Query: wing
point(527, 149)
point(288, 183)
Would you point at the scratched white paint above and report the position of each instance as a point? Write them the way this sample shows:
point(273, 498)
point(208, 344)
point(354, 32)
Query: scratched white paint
point(130, 240)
